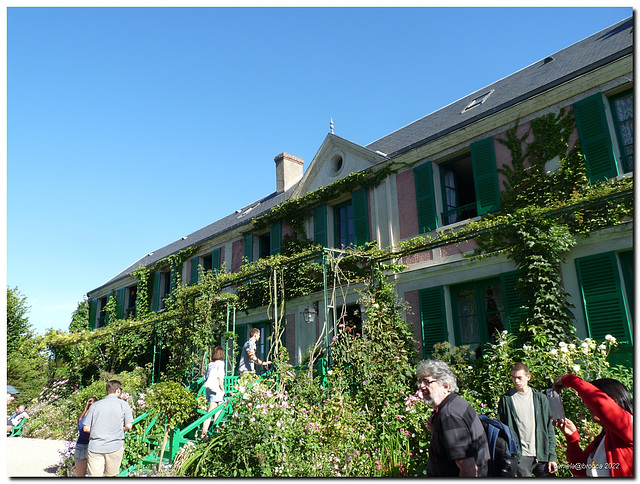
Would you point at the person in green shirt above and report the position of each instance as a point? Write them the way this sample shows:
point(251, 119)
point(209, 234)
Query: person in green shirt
point(526, 411)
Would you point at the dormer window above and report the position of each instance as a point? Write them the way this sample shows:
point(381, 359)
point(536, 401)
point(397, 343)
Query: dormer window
point(478, 101)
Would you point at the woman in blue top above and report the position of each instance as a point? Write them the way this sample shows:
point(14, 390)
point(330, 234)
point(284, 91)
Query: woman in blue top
point(82, 445)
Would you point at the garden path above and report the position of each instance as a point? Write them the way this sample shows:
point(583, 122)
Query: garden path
point(32, 457)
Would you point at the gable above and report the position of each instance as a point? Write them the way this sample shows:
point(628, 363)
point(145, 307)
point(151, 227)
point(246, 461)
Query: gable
point(336, 158)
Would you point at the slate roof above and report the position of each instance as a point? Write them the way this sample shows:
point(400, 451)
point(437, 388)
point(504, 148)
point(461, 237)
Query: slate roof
point(595, 51)
point(231, 221)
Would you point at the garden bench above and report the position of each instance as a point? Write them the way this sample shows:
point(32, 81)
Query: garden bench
point(16, 430)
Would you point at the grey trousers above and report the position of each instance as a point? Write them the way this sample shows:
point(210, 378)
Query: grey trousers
point(529, 466)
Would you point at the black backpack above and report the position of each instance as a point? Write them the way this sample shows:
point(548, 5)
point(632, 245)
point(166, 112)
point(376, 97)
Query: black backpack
point(503, 448)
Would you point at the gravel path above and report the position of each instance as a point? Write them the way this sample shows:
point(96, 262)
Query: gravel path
point(32, 457)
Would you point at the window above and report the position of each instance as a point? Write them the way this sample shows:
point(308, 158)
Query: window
point(130, 305)
point(622, 113)
point(597, 141)
point(350, 222)
point(161, 289)
point(263, 345)
point(165, 288)
point(351, 319)
point(336, 164)
point(458, 191)
point(265, 245)
point(207, 262)
point(343, 225)
point(482, 308)
point(477, 101)
point(478, 312)
point(469, 186)
point(103, 318)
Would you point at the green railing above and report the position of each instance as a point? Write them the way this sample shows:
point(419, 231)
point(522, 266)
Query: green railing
point(179, 437)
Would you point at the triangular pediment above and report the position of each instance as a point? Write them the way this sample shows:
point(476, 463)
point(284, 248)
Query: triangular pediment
point(336, 158)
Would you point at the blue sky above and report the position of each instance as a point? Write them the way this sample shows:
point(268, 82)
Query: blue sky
point(128, 128)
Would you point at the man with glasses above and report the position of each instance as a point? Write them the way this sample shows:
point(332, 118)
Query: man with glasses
point(526, 411)
point(458, 444)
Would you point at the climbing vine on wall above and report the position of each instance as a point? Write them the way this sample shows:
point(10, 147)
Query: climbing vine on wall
point(542, 214)
point(295, 210)
point(537, 243)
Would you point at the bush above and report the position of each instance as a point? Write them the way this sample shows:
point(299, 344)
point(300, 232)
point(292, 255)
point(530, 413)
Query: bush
point(54, 414)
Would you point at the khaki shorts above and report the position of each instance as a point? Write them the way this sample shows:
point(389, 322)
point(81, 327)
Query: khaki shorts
point(107, 464)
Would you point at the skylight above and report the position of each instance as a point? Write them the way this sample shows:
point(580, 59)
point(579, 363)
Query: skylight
point(478, 101)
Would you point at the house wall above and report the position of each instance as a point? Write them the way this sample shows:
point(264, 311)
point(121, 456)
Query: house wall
point(393, 212)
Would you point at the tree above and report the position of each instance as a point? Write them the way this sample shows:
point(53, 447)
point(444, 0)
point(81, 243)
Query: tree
point(18, 326)
point(172, 402)
point(26, 361)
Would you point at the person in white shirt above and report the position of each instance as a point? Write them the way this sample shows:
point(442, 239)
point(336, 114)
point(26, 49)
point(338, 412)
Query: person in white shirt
point(214, 385)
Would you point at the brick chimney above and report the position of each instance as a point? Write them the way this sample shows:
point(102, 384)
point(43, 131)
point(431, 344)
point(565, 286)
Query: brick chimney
point(288, 171)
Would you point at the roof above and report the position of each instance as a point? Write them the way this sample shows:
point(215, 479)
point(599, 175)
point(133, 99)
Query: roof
point(231, 221)
point(595, 51)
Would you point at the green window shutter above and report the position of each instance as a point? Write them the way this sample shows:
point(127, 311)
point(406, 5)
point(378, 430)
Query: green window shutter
point(360, 216)
point(425, 197)
point(106, 314)
point(172, 281)
point(120, 303)
point(248, 248)
point(320, 225)
point(513, 302)
point(93, 309)
point(155, 298)
point(626, 261)
point(433, 318)
point(216, 259)
point(485, 176)
point(275, 239)
point(595, 141)
point(602, 297)
point(193, 278)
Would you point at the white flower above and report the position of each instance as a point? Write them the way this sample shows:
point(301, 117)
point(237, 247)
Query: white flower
point(572, 346)
point(526, 347)
point(576, 368)
point(609, 338)
point(584, 344)
point(554, 351)
point(562, 344)
point(564, 349)
point(505, 331)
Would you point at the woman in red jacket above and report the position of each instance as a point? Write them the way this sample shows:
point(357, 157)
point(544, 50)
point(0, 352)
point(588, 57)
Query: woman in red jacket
point(611, 406)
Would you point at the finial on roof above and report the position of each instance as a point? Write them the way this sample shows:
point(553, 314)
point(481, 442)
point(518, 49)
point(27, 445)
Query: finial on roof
point(331, 125)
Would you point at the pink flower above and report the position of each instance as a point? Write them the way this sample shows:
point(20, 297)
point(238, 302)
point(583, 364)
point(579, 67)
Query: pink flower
point(379, 466)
